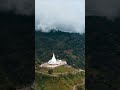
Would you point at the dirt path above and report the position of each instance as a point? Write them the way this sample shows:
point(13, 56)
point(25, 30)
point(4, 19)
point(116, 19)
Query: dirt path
point(57, 74)
point(74, 87)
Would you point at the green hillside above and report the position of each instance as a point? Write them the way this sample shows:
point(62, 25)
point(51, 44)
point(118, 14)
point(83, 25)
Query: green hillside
point(66, 46)
point(59, 69)
point(60, 81)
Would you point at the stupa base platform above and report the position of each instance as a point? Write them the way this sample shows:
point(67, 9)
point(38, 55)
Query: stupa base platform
point(47, 65)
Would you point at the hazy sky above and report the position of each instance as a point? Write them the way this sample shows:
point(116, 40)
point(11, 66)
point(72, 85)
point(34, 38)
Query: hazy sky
point(67, 15)
point(64, 14)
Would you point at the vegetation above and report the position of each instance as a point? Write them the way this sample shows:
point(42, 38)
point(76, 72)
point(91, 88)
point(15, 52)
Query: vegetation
point(102, 53)
point(59, 82)
point(59, 69)
point(50, 71)
point(17, 50)
point(80, 88)
point(63, 69)
point(67, 46)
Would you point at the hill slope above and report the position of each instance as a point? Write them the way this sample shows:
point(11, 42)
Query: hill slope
point(67, 46)
point(60, 81)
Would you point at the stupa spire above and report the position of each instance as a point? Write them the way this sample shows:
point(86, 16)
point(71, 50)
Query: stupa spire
point(55, 61)
point(53, 56)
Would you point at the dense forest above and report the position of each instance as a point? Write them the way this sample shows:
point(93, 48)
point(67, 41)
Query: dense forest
point(102, 53)
point(17, 50)
point(66, 46)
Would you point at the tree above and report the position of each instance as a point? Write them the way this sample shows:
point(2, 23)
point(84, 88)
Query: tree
point(50, 71)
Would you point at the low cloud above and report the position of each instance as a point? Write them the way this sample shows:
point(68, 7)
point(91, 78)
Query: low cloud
point(66, 15)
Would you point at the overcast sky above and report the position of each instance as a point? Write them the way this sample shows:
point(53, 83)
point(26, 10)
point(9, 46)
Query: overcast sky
point(67, 15)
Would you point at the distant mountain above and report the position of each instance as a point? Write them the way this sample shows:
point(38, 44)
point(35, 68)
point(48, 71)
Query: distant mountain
point(66, 46)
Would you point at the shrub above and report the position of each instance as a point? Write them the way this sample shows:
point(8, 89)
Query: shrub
point(50, 71)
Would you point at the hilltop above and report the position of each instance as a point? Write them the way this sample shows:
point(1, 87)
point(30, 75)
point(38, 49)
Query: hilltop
point(62, 78)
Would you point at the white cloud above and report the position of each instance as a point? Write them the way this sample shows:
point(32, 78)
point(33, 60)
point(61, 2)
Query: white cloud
point(68, 15)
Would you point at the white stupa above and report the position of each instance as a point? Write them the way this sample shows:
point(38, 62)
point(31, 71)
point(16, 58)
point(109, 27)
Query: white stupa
point(53, 62)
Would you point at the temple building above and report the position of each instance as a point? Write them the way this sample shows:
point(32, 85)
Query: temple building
point(53, 62)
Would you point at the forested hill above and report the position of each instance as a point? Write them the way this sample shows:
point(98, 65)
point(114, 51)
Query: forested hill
point(102, 53)
point(66, 46)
